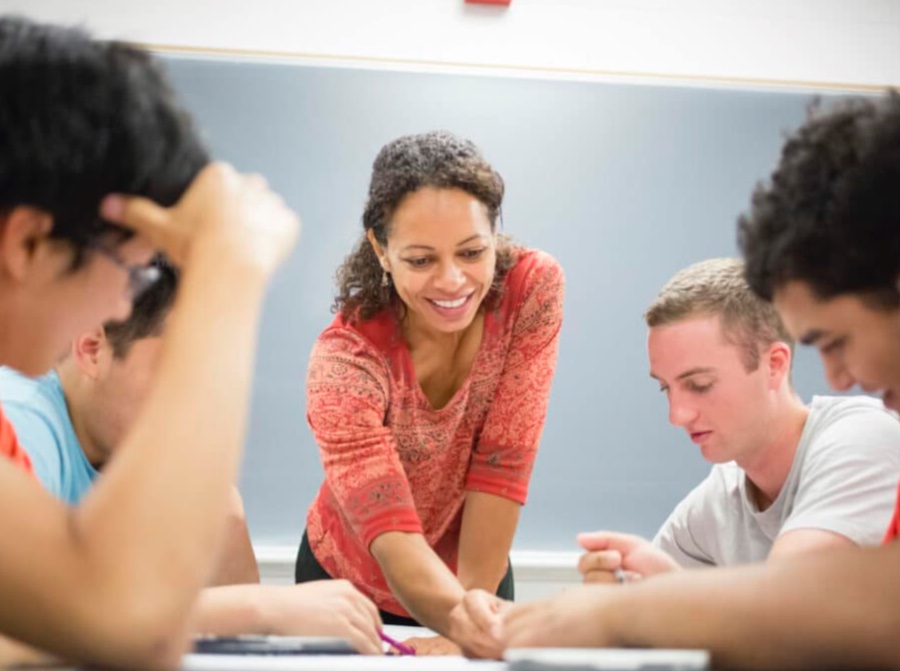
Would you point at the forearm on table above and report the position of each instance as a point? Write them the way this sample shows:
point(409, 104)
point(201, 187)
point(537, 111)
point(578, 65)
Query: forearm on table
point(418, 578)
point(236, 563)
point(799, 541)
point(834, 609)
point(229, 611)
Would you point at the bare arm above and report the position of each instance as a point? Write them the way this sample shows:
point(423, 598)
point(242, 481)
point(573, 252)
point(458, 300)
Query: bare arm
point(427, 588)
point(835, 609)
point(607, 551)
point(488, 526)
point(807, 540)
point(418, 578)
point(127, 564)
point(13, 653)
point(237, 562)
point(322, 608)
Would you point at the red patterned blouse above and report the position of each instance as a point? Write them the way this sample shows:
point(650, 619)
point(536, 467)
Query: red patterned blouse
point(392, 462)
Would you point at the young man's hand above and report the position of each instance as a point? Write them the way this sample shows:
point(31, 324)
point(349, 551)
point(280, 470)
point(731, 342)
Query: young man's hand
point(323, 608)
point(235, 216)
point(578, 617)
point(475, 624)
point(634, 557)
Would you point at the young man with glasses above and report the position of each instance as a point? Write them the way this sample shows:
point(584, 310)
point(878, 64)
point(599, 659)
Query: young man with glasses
point(72, 421)
point(140, 277)
point(114, 581)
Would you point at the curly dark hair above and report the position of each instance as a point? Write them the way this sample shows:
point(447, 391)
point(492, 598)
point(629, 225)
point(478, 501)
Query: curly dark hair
point(830, 215)
point(437, 159)
point(81, 118)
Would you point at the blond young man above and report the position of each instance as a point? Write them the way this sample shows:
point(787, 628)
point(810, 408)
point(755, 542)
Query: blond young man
point(787, 477)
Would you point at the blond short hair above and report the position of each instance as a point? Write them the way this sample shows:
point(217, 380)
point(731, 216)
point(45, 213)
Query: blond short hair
point(717, 287)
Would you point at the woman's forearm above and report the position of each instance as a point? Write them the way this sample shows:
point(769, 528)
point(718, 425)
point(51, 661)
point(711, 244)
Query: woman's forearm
point(488, 526)
point(418, 578)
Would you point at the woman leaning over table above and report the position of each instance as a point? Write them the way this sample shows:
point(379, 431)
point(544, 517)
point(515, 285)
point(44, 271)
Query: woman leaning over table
point(427, 393)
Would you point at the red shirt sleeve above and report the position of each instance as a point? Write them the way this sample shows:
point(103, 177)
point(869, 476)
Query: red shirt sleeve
point(9, 445)
point(505, 453)
point(347, 395)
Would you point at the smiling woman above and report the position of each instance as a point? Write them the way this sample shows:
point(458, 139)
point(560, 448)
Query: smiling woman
point(427, 394)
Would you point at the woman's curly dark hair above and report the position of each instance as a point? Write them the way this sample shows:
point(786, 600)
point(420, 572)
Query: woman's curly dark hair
point(437, 159)
point(830, 213)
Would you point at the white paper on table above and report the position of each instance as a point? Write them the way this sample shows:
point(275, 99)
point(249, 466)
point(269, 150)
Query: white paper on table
point(334, 663)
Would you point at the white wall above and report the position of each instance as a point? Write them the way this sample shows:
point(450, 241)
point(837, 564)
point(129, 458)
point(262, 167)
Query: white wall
point(537, 574)
point(824, 42)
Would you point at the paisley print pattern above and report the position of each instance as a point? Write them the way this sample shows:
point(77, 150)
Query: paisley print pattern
point(394, 463)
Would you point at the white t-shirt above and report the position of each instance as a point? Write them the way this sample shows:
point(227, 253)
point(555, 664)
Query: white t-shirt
point(843, 479)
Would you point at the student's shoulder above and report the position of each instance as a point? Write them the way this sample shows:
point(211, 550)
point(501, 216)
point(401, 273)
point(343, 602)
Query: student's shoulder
point(40, 395)
point(858, 422)
point(858, 412)
point(14, 385)
point(36, 410)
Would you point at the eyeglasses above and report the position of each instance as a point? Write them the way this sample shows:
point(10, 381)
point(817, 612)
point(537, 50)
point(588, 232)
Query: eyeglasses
point(140, 278)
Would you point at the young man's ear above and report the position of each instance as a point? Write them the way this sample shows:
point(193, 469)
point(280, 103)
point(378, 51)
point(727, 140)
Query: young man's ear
point(779, 356)
point(90, 350)
point(22, 232)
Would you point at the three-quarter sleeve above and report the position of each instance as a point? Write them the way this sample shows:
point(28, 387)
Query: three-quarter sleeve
point(347, 399)
point(504, 455)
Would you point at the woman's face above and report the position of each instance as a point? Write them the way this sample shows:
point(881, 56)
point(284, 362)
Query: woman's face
point(441, 255)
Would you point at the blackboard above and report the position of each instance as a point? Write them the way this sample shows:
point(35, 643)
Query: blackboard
point(625, 183)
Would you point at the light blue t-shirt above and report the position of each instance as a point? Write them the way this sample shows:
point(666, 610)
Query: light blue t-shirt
point(36, 407)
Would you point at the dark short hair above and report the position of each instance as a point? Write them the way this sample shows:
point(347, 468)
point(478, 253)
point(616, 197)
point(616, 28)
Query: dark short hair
point(81, 118)
point(830, 214)
point(436, 159)
point(148, 313)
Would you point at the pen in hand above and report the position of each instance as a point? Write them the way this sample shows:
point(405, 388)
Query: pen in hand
point(401, 648)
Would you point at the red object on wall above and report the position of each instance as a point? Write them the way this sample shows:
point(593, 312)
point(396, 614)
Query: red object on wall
point(488, 2)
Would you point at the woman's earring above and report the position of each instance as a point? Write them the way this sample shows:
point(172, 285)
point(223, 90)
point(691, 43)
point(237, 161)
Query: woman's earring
point(385, 279)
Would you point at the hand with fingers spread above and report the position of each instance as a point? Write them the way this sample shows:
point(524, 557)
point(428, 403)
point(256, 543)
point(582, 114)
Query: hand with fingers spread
point(578, 617)
point(476, 624)
point(234, 215)
point(608, 551)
